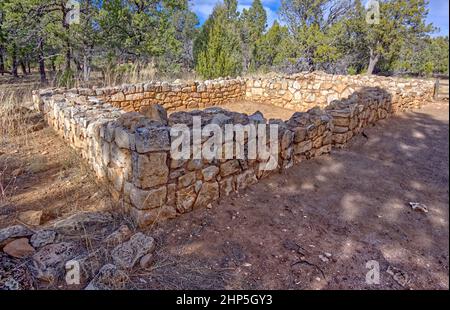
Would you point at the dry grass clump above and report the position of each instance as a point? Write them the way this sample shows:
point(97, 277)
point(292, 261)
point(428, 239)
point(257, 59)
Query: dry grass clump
point(15, 117)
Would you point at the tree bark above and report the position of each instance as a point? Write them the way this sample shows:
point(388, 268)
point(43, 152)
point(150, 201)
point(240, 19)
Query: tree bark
point(2, 61)
point(86, 68)
point(374, 58)
point(66, 26)
point(23, 67)
point(53, 65)
point(42, 62)
point(14, 62)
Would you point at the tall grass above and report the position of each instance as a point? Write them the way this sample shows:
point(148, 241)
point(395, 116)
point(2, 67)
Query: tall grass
point(13, 123)
point(13, 114)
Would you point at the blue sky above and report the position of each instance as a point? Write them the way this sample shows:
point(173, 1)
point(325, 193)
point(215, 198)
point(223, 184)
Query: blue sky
point(438, 11)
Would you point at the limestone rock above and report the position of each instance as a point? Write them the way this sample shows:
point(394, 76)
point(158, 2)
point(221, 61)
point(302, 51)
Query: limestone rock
point(32, 217)
point(155, 112)
point(12, 232)
point(257, 117)
point(148, 199)
point(210, 173)
point(150, 170)
point(246, 179)
point(187, 179)
point(209, 192)
point(128, 254)
point(226, 186)
point(146, 260)
point(14, 275)
point(144, 218)
point(84, 222)
point(42, 238)
point(229, 167)
point(185, 199)
point(221, 119)
point(109, 277)
point(152, 139)
point(121, 235)
point(49, 261)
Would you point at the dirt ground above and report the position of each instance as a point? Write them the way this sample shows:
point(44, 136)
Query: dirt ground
point(314, 226)
point(269, 111)
point(352, 204)
point(38, 171)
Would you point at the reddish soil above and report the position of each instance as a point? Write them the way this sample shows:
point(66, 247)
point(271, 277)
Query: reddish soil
point(38, 171)
point(247, 107)
point(352, 204)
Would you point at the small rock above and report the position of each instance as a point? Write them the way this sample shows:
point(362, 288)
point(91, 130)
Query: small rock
point(109, 277)
point(42, 238)
point(13, 232)
point(417, 206)
point(31, 217)
point(10, 284)
point(323, 258)
point(146, 260)
point(19, 248)
point(155, 112)
point(49, 262)
point(121, 235)
point(14, 275)
point(84, 222)
point(257, 117)
point(127, 254)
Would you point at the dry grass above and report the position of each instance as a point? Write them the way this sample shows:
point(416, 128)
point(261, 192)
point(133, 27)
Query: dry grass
point(13, 114)
point(14, 123)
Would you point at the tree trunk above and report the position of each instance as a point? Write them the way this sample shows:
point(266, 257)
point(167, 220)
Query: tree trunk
point(374, 58)
point(42, 62)
point(68, 58)
point(29, 67)
point(2, 61)
point(14, 62)
point(66, 26)
point(23, 67)
point(86, 68)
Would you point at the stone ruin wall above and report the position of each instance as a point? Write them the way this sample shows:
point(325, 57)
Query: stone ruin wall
point(303, 91)
point(130, 152)
point(174, 96)
point(299, 92)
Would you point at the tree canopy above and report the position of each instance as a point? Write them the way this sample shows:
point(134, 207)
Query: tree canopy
point(113, 36)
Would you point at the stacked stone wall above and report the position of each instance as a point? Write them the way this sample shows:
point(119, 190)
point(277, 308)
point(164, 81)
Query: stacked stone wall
point(301, 92)
point(130, 152)
point(174, 96)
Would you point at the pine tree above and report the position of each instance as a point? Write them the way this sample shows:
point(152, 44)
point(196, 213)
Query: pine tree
point(272, 48)
point(217, 49)
point(253, 24)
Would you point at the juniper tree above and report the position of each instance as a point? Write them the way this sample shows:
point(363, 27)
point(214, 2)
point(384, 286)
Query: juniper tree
point(217, 49)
